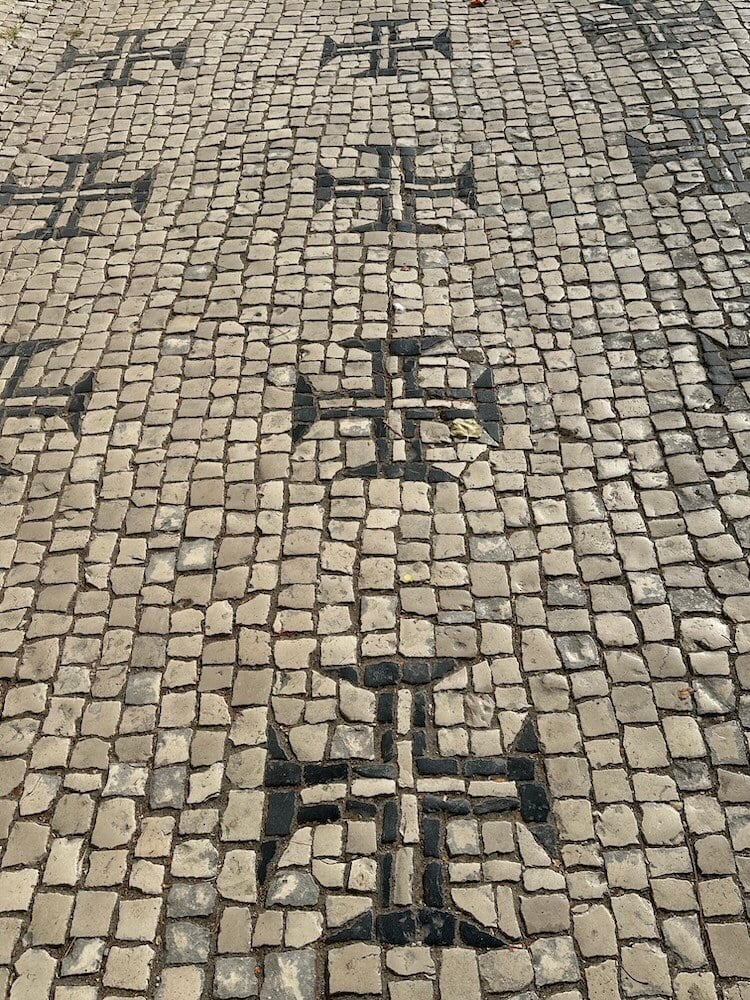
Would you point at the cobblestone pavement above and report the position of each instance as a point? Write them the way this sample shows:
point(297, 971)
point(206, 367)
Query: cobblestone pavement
point(374, 500)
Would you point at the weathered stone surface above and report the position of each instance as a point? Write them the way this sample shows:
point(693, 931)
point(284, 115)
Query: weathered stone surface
point(374, 501)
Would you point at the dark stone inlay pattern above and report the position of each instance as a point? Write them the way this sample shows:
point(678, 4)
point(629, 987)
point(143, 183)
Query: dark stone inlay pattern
point(79, 187)
point(396, 164)
point(661, 31)
point(128, 53)
point(386, 34)
point(715, 138)
point(430, 919)
point(477, 402)
point(67, 401)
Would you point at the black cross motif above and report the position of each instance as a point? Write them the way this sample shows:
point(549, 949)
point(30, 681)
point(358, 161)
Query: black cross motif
point(385, 45)
point(727, 367)
point(717, 139)
point(479, 402)
point(120, 61)
point(431, 920)
point(69, 401)
point(411, 186)
point(68, 199)
point(660, 31)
